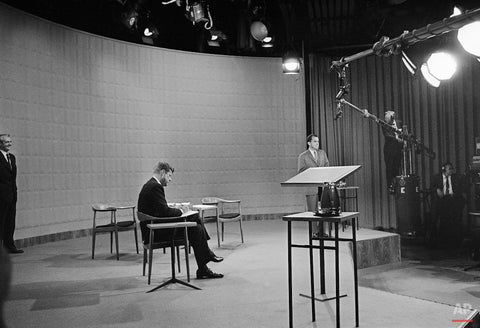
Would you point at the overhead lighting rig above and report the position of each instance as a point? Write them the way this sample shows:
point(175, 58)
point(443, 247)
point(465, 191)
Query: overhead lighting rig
point(195, 11)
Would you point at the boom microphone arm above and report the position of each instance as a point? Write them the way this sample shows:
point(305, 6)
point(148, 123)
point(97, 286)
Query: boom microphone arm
point(407, 137)
point(386, 46)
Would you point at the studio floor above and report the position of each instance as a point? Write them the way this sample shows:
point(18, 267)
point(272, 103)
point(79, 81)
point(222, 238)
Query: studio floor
point(59, 285)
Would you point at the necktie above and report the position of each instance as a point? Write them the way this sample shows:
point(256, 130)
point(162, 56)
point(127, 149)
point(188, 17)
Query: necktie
point(315, 155)
point(8, 160)
point(447, 186)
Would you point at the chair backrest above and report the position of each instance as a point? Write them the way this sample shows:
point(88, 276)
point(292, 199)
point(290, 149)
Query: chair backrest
point(142, 217)
point(210, 200)
point(225, 205)
point(146, 219)
point(103, 207)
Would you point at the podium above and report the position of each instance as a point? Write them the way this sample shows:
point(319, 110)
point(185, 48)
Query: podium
point(320, 176)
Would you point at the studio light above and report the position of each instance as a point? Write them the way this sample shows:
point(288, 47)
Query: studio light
point(291, 63)
point(130, 19)
point(217, 35)
point(196, 13)
point(469, 38)
point(258, 30)
point(442, 65)
point(151, 32)
point(267, 42)
point(434, 82)
point(408, 63)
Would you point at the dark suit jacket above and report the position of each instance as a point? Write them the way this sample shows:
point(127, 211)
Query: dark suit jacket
point(458, 184)
point(151, 201)
point(451, 207)
point(8, 177)
point(306, 160)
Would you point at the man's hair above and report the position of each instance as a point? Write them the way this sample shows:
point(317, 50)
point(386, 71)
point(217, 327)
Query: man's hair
point(4, 135)
point(445, 164)
point(310, 136)
point(389, 116)
point(163, 166)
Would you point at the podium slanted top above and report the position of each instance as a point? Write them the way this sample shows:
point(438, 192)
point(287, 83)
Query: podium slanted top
point(320, 175)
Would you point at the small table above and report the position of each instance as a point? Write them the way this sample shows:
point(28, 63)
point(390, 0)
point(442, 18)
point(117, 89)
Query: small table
point(310, 218)
point(201, 208)
point(344, 196)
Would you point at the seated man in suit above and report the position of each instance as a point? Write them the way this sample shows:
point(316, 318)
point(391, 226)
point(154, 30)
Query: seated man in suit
point(449, 202)
point(151, 201)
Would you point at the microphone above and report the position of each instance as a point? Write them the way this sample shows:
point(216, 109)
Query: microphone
point(340, 93)
point(339, 112)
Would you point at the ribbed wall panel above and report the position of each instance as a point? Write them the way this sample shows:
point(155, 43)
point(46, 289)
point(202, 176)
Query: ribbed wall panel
point(90, 116)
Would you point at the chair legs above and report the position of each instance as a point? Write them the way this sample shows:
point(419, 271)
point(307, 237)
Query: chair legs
point(178, 256)
point(112, 229)
point(150, 258)
point(144, 260)
point(116, 245)
point(136, 238)
point(223, 231)
point(241, 230)
point(218, 234)
point(93, 244)
point(173, 279)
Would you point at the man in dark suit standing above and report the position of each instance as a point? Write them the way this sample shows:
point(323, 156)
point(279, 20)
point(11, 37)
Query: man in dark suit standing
point(8, 194)
point(449, 202)
point(152, 201)
point(313, 157)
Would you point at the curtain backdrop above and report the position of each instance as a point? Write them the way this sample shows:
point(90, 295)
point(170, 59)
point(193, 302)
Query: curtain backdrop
point(446, 119)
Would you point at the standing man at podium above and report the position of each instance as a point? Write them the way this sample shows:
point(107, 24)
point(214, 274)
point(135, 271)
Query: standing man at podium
point(312, 157)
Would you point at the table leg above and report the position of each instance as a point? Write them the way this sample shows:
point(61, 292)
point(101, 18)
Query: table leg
point(355, 275)
point(312, 283)
point(290, 299)
point(337, 276)
point(322, 261)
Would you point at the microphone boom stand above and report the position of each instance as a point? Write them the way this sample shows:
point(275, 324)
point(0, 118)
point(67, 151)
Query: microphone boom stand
point(404, 135)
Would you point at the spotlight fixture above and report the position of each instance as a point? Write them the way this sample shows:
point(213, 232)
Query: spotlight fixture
point(216, 35)
point(291, 63)
point(468, 38)
point(434, 82)
point(150, 32)
point(130, 19)
point(267, 42)
point(408, 63)
point(258, 30)
point(442, 65)
point(196, 12)
point(467, 35)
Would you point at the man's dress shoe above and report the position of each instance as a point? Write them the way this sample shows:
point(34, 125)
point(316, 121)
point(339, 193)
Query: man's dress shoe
point(216, 258)
point(14, 250)
point(208, 274)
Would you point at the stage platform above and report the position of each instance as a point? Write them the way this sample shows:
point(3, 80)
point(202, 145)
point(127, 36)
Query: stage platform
point(376, 248)
point(58, 285)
